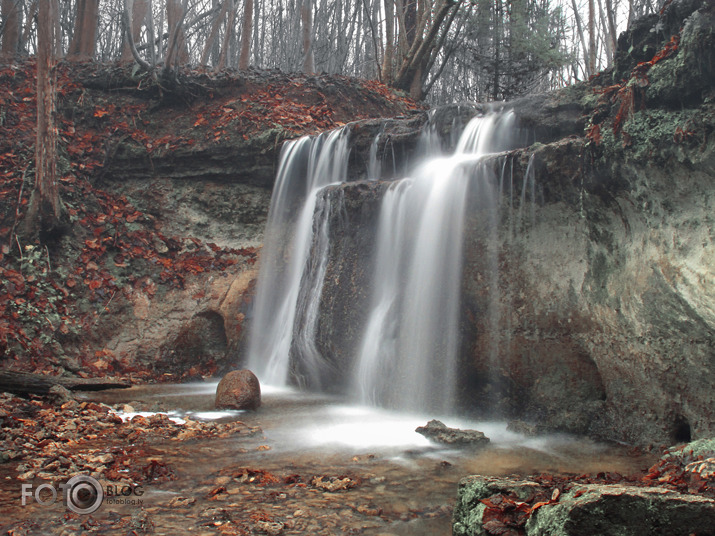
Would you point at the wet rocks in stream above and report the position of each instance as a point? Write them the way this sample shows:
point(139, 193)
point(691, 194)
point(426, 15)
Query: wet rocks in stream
point(239, 389)
point(54, 442)
point(439, 432)
point(676, 496)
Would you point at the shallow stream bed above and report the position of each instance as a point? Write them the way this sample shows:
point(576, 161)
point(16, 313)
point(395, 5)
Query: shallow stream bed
point(318, 467)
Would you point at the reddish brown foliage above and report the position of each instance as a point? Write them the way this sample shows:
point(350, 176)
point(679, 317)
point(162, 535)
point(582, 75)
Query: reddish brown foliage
point(38, 304)
point(258, 477)
point(628, 95)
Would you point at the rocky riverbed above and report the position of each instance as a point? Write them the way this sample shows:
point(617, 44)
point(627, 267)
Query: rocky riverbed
point(299, 465)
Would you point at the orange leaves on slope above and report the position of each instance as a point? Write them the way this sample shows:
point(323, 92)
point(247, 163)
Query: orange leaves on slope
point(389, 94)
point(267, 107)
point(121, 239)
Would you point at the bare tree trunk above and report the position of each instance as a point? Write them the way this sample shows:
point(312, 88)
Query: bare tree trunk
point(214, 33)
point(227, 35)
point(582, 38)
point(84, 39)
point(411, 72)
point(440, 45)
point(611, 15)
point(402, 42)
point(28, 24)
point(371, 45)
point(160, 38)
point(127, 25)
point(410, 15)
point(246, 35)
point(591, 37)
point(44, 213)
point(139, 9)
point(59, 51)
point(389, 58)
point(607, 41)
point(497, 48)
point(24, 383)
point(176, 51)
point(306, 15)
point(151, 34)
point(11, 10)
point(259, 32)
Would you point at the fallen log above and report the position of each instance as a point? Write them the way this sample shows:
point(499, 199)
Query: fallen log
point(23, 383)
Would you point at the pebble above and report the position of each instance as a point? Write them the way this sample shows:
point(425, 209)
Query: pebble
point(272, 529)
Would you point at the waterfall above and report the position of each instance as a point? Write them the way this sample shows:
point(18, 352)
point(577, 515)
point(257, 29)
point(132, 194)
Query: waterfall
point(406, 354)
point(283, 293)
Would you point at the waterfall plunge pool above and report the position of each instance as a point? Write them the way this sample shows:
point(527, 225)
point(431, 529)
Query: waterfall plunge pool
point(403, 484)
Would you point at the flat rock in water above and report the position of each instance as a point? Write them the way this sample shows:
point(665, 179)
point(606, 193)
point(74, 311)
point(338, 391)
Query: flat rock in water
point(439, 432)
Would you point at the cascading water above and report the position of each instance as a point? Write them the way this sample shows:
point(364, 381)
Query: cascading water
point(287, 291)
point(407, 359)
point(407, 356)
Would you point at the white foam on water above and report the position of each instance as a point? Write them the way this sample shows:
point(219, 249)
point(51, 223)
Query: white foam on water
point(129, 415)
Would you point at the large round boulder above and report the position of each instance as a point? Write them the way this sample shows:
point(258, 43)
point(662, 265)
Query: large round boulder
point(239, 389)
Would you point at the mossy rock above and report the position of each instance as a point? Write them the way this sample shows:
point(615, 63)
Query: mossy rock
point(468, 512)
point(684, 78)
point(595, 510)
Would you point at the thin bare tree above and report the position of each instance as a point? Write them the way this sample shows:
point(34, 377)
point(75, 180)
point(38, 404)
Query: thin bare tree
point(45, 215)
point(306, 15)
point(12, 19)
point(591, 37)
point(137, 10)
point(246, 35)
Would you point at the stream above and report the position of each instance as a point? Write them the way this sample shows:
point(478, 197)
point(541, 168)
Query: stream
point(322, 467)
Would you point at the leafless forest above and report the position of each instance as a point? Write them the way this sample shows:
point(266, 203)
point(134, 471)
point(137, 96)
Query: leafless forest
point(439, 50)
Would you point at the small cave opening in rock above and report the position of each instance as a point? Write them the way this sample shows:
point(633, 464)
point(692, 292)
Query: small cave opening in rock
point(681, 430)
point(199, 349)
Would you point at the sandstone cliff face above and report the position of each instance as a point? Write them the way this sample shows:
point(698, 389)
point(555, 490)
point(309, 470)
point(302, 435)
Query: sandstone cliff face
point(589, 306)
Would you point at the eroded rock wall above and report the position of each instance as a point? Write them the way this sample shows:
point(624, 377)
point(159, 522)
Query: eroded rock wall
point(588, 300)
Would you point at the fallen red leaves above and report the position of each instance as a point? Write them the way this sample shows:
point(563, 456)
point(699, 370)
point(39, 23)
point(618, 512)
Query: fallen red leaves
point(40, 307)
point(266, 106)
point(258, 477)
point(684, 472)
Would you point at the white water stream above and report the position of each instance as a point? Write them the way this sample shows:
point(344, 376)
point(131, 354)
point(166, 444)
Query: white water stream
point(407, 357)
point(306, 166)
